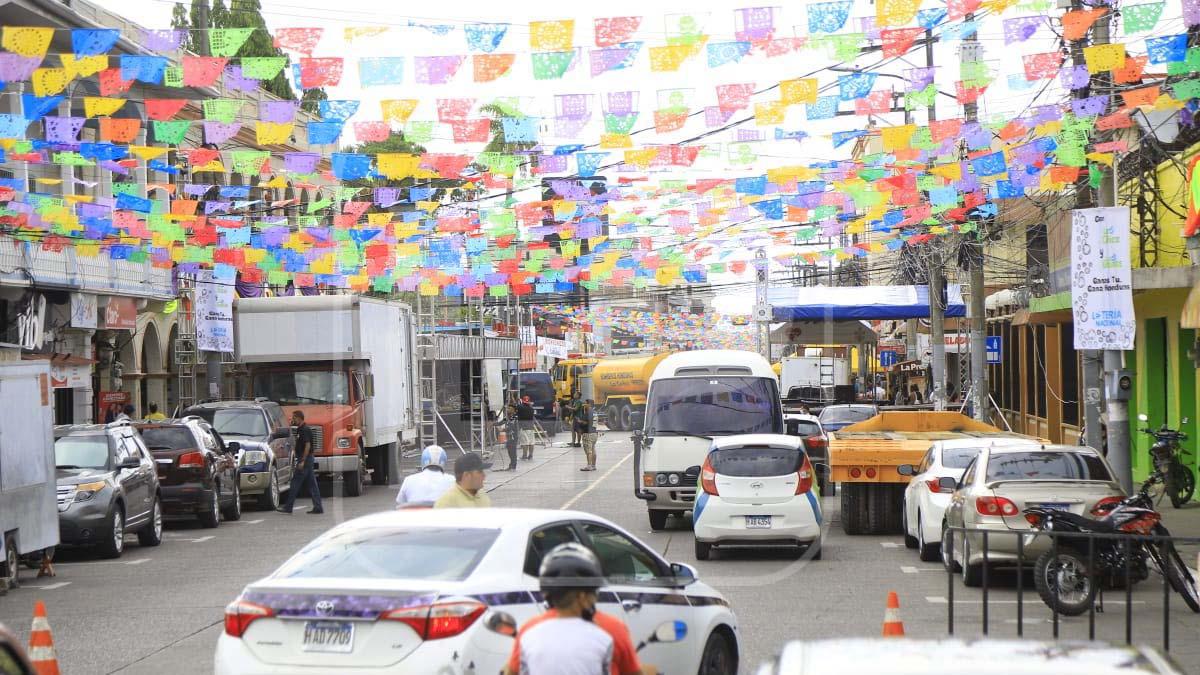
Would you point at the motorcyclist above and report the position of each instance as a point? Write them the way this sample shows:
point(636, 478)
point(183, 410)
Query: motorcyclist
point(431, 482)
point(573, 637)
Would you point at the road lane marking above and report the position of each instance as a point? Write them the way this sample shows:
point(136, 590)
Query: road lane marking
point(200, 539)
point(247, 522)
point(139, 561)
point(909, 569)
point(571, 502)
point(889, 544)
point(89, 563)
point(48, 587)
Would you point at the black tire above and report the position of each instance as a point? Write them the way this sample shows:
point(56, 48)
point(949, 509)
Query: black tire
point(909, 540)
point(612, 418)
point(1181, 484)
point(270, 498)
point(853, 509)
point(233, 512)
point(114, 544)
point(948, 562)
point(626, 417)
point(1178, 576)
point(718, 657)
point(210, 515)
point(10, 567)
point(379, 465)
point(815, 549)
point(927, 552)
point(895, 501)
point(658, 519)
point(972, 574)
point(703, 550)
point(353, 480)
point(878, 518)
point(1046, 578)
point(151, 532)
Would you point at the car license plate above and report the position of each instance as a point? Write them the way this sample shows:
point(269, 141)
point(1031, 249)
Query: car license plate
point(1056, 506)
point(329, 636)
point(758, 522)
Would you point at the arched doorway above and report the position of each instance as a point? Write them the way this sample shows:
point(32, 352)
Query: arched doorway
point(151, 386)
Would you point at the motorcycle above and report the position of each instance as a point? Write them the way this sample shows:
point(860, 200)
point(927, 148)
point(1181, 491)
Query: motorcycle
point(1068, 578)
point(1178, 481)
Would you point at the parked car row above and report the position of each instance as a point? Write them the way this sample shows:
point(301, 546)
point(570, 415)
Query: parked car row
point(127, 477)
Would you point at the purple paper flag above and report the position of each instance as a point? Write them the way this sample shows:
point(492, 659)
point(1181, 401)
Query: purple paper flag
point(1191, 12)
point(279, 112)
point(919, 78)
point(437, 69)
point(613, 58)
point(569, 127)
point(572, 106)
point(1074, 77)
point(195, 189)
point(63, 129)
point(300, 162)
point(219, 132)
point(552, 163)
point(714, 116)
point(386, 196)
point(235, 81)
point(14, 67)
point(621, 102)
point(167, 40)
point(754, 23)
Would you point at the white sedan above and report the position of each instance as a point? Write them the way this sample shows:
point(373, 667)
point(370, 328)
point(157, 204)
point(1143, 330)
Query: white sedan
point(415, 590)
point(925, 500)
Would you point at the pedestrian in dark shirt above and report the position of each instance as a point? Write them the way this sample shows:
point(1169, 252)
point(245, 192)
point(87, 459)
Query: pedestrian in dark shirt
point(526, 423)
point(510, 436)
point(304, 472)
point(585, 422)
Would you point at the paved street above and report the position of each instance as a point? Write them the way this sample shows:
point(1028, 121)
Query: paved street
point(160, 610)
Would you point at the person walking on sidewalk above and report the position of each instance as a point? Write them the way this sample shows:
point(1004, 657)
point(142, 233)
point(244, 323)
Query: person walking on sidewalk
point(304, 470)
point(467, 491)
point(526, 421)
point(572, 417)
point(585, 422)
point(510, 436)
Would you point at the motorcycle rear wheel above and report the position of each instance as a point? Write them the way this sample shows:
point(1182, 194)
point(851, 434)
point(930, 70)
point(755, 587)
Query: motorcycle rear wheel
point(1068, 571)
point(1181, 484)
point(1178, 576)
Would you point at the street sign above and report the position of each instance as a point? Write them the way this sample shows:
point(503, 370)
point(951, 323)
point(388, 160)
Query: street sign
point(992, 348)
point(762, 313)
point(887, 358)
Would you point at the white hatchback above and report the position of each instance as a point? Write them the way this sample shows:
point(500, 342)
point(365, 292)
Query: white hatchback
point(757, 490)
point(925, 500)
point(417, 591)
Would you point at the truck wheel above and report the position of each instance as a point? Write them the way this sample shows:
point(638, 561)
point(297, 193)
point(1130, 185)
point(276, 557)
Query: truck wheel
point(10, 569)
point(379, 464)
point(895, 501)
point(658, 519)
point(353, 480)
point(612, 418)
point(626, 417)
point(852, 508)
point(878, 505)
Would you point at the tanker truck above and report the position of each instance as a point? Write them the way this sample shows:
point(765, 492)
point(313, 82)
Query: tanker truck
point(617, 384)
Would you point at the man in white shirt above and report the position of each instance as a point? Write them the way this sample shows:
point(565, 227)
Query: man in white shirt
point(431, 482)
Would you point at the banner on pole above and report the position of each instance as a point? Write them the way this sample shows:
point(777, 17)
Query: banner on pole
point(214, 313)
point(1101, 279)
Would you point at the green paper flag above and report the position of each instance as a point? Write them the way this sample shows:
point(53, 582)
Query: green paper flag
point(173, 76)
point(225, 42)
point(222, 109)
point(263, 67)
point(171, 132)
point(551, 65)
point(313, 207)
point(418, 132)
point(1138, 18)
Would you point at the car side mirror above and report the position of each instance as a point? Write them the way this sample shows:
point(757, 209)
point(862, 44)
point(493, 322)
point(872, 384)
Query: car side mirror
point(280, 433)
point(684, 573)
point(233, 447)
point(502, 623)
point(130, 463)
point(637, 419)
point(906, 470)
point(948, 483)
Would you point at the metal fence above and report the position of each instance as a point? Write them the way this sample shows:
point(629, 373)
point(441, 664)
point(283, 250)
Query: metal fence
point(1023, 563)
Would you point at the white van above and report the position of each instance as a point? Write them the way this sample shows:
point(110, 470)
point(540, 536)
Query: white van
point(694, 397)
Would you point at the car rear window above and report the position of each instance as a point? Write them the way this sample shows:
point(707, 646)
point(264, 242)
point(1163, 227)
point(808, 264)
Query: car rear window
point(807, 428)
point(958, 458)
point(168, 438)
point(1040, 465)
point(427, 553)
point(756, 461)
point(844, 414)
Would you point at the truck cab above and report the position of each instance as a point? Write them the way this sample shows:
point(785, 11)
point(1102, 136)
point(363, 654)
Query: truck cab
point(568, 376)
point(695, 397)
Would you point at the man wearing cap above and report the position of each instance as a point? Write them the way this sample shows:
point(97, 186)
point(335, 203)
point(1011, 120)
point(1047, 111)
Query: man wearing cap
point(467, 491)
point(431, 482)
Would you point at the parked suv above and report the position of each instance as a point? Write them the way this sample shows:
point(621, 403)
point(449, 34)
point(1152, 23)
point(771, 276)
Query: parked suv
point(258, 434)
point(107, 487)
point(197, 473)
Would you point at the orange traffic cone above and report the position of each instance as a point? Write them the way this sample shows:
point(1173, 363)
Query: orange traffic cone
point(41, 643)
point(892, 625)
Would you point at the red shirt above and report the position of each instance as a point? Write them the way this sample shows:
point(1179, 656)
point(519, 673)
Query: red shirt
point(624, 656)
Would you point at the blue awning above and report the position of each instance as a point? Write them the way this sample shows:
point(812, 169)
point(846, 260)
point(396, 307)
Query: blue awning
point(858, 303)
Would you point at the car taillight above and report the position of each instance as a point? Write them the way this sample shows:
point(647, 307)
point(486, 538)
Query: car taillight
point(1105, 505)
point(995, 506)
point(439, 620)
point(871, 472)
point(935, 486)
point(1033, 519)
point(805, 476)
point(191, 460)
point(708, 478)
point(855, 472)
point(813, 442)
point(239, 614)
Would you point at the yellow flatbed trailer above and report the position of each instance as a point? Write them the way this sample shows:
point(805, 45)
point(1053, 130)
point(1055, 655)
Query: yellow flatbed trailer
point(864, 458)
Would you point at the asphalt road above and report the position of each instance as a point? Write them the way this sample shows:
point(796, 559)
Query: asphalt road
point(159, 610)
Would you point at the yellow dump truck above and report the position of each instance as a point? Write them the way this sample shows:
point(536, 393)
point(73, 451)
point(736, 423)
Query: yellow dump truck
point(863, 458)
point(569, 373)
point(618, 384)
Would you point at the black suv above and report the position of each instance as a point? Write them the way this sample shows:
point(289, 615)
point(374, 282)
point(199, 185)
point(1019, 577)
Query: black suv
point(107, 487)
point(197, 473)
point(258, 434)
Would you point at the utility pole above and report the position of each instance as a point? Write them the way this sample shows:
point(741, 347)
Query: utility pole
point(971, 50)
point(762, 304)
point(214, 368)
point(937, 281)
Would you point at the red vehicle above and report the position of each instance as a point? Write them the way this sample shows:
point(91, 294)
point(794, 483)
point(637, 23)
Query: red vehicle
point(197, 473)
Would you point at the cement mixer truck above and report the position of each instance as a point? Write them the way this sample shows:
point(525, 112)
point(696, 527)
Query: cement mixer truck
point(617, 384)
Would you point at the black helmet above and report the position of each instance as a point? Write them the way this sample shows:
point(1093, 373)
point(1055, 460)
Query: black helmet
point(570, 566)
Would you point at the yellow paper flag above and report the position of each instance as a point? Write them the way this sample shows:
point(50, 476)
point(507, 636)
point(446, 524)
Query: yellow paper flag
point(49, 81)
point(897, 138)
point(668, 58)
point(1103, 58)
point(26, 41)
point(895, 12)
point(615, 141)
point(801, 90)
point(354, 32)
point(273, 133)
point(146, 152)
point(769, 113)
point(84, 66)
point(397, 166)
point(95, 106)
point(552, 36)
point(398, 110)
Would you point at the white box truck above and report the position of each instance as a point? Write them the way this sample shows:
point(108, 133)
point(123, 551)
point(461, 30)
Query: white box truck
point(349, 364)
point(28, 487)
point(813, 371)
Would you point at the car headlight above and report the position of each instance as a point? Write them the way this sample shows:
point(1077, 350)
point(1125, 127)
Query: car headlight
point(253, 457)
point(673, 479)
point(86, 491)
point(661, 479)
point(343, 443)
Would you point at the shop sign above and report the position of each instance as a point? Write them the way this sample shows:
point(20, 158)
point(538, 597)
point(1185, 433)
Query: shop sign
point(1101, 279)
point(119, 314)
point(83, 310)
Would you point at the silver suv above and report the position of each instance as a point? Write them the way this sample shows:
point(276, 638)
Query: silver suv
point(107, 487)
